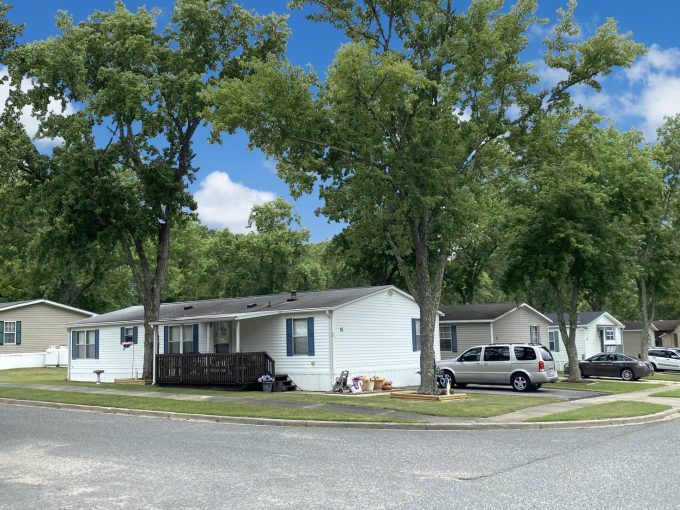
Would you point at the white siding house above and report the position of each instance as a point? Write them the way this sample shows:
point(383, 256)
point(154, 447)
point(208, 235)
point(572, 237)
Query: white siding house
point(595, 332)
point(480, 324)
point(311, 336)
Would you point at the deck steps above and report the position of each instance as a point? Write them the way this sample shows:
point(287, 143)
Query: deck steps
point(283, 383)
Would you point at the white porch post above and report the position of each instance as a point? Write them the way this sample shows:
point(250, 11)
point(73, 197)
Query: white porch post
point(208, 337)
point(155, 352)
point(238, 336)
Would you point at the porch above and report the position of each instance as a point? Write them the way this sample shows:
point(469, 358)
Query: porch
point(216, 369)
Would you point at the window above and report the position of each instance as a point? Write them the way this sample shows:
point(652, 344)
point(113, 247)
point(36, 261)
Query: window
point(534, 334)
point(10, 333)
point(187, 338)
point(416, 334)
point(300, 337)
point(129, 335)
point(85, 345)
point(471, 355)
point(609, 334)
point(222, 337)
point(447, 338)
point(599, 357)
point(554, 338)
point(545, 354)
point(500, 353)
point(525, 353)
point(174, 340)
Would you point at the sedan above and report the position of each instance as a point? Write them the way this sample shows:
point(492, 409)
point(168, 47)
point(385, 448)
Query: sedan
point(608, 364)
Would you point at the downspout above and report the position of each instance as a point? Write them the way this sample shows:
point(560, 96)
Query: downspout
point(70, 354)
point(329, 314)
point(491, 325)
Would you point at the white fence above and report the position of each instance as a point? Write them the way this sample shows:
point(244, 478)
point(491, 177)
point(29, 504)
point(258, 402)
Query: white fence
point(22, 360)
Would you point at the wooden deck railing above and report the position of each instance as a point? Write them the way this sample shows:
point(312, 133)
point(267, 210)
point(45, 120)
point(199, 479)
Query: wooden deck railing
point(239, 368)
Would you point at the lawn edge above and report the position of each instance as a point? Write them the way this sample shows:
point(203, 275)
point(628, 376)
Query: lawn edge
point(670, 414)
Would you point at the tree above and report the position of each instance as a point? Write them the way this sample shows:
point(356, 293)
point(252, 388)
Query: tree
point(408, 107)
point(659, 252)
point(140, 96)
point(575, 195)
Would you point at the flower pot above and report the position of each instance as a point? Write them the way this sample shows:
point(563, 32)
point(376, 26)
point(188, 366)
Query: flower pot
point(386, 387)
point(368, 386)
point(267, 386)
point(378, 384)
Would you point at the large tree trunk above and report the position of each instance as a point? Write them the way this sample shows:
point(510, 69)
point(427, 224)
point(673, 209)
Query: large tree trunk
point(569, 336)
point(645, 315)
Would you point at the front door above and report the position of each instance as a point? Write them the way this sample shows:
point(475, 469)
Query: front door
point(222, 337)
point(468, 366)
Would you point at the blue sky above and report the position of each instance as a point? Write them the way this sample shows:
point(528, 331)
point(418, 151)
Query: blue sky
point(231, 178)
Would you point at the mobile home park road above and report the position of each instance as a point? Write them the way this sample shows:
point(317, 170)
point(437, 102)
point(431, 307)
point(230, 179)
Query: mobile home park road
point(51, 458)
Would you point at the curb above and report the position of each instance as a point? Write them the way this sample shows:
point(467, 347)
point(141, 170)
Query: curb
point(670, 414)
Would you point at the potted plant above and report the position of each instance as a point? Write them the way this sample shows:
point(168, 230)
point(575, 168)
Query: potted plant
point(368, 384)
point(267, 382)
point(387, 385)
point(378, 383)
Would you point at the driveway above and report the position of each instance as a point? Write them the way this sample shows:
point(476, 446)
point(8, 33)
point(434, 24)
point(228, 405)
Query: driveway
point(67, 459)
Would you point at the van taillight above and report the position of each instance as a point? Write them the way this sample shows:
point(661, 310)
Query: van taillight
point(541, 366)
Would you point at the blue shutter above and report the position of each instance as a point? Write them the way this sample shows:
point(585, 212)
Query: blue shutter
point(454, 338)
point(166, 338)
point(310, 336)
point(17, 334)
point(134, 335)
point(122, 334)
point(74, 337)
point(289, 337)
point(195, 339)
point(413, 334)
point(96, 344)
point(2, 332)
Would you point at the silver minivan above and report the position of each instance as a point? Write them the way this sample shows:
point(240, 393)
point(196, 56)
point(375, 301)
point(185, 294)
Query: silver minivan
point(524, 366)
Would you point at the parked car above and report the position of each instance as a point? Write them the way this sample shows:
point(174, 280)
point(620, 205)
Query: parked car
point(664, 359)
point(607, 364)
point(524, 366)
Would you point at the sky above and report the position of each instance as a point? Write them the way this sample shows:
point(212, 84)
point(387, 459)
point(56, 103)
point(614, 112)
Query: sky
point(232, 178)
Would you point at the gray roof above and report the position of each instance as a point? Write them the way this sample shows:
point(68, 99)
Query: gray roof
point(325, 299)
point(14, 303)
point(581, 319)
point(666, 325)
point(633, 325)
point(476, 312)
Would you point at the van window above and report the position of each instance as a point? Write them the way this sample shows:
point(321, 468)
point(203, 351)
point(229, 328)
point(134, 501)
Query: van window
point(525, 353)
point(500, 353)
point(471, 355)
point(545, 354)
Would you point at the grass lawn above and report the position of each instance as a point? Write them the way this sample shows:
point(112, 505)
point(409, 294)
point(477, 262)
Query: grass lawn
point(669, 393)
point(183, 406)
point(621, 409)
point(662, 376)
point(605, 386)
point(476, 405)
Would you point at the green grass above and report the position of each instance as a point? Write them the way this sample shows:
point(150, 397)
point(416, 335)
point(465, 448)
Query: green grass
point(33, 376)
point(190, 407)
point(620, 409)
point(669, 393)
point(605, 386)
point(661, 376)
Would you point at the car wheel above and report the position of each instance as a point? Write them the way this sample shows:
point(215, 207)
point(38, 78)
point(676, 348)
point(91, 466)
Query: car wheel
point(521, 382)
point(584, 376)
point(461, 385)
point(654, 367)
point(627, 374)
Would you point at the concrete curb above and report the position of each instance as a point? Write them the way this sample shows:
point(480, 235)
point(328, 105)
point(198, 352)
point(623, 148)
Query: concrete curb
point(667, 415)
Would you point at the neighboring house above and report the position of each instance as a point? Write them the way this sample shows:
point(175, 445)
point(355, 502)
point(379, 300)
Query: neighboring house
point(310, 336)
point(632, 337)
point(667, 333)
point(28, 328)
point(595, 332)
point(464, 326)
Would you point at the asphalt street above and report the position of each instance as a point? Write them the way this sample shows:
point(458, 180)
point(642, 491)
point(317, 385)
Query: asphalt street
point(53, 458)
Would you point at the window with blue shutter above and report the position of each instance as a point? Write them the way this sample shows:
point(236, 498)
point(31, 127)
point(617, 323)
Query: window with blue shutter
point(415, 334)
point(18, 333)
point(310, 336)
point(166, 339)
point(454, 338)
point(74, 339)
point(96, 344)
point(135, 336)
point(289, 337)
point(195, 338)
point(2, 333)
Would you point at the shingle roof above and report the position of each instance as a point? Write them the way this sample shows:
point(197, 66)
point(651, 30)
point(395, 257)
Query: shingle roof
point(14, 303)
point(633, 325)
point(581, 319)
point(667, 325)
point(476, 312)
point(326, 299)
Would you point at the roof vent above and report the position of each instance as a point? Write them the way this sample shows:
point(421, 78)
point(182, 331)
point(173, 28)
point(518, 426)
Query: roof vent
point(251, 305)
point(293, 296)
point(188, 307)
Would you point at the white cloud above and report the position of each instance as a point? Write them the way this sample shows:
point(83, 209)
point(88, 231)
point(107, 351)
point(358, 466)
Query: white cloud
point(549, 76)
point(223, 203)
point(657, 61)
point(269, 164)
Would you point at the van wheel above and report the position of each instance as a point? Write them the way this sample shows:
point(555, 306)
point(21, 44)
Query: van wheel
point(627, 374)
point(461, 385)
point(520, 382)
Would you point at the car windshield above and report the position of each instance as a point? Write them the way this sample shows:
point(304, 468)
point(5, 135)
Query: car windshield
point(546, 354)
